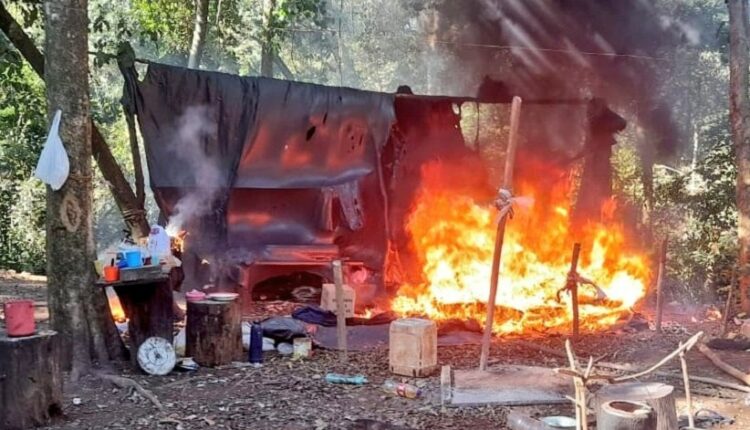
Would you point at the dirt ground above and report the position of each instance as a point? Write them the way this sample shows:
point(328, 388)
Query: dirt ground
point(292, 394)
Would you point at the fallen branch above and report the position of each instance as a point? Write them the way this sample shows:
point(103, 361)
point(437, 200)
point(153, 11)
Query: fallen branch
point(121, 382)
point(629, 368)
point(683, 347)
point(721, 364)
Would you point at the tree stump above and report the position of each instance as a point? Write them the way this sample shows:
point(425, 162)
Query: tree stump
point(148, 306)
point(660, 397)
point(625, 415)
point(213, 332)
point(30, 380)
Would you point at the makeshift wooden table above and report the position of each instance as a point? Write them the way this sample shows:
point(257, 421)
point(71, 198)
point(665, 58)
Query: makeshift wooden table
point(148, 306)
point(30, 379)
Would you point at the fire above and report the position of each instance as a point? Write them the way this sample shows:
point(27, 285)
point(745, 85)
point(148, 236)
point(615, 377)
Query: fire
point(177, 240)
point(115, 308)
point(453, 238)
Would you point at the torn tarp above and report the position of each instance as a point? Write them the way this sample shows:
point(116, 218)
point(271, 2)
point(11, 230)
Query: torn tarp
point(277, 162)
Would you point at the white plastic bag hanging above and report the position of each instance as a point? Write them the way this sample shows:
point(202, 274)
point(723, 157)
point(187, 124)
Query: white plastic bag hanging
point(53, 166)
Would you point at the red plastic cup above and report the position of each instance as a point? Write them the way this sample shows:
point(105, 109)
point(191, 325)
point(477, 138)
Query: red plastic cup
point(19, 318)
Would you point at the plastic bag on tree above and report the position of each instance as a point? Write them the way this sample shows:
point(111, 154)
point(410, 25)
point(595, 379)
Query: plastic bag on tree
point(53, 166)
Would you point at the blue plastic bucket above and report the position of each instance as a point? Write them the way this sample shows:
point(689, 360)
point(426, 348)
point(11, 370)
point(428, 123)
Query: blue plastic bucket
point(133, 258)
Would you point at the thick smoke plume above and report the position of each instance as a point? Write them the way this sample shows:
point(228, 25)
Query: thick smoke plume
point(555, 49)
point(193, 128)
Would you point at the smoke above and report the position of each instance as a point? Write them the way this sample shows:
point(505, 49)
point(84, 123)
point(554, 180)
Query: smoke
point(544, 49)
point(194, 127)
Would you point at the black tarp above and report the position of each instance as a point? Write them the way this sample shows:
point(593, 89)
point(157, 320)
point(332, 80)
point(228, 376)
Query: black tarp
point(264, 161)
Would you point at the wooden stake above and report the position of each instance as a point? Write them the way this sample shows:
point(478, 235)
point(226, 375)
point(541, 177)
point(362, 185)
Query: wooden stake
point(686, 382)
point(338, 279)
point(510, 156)
point(660, 284)
point(573, 286)
point(728, 305)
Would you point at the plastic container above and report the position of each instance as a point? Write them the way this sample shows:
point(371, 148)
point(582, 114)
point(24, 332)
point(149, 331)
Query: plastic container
point(195, 296)
point(134, 258)
point(302, 347)
point(111, 273)
point(402, 389)
point(285, 348)
point(19, 318)
point(255, 356)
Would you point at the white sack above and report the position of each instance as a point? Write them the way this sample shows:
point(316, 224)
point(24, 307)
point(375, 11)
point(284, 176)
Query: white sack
point(53, 166)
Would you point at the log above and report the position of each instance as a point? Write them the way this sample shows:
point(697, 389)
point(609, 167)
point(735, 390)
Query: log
point(660, 397)
point(148, 306)
point(625, 415)
point(724, 366)
point(213, 333)
point(30, 380)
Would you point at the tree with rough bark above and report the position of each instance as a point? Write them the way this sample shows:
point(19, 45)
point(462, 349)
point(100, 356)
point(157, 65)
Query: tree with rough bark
point(739, 113)
point(70, 241)
point(199, 33)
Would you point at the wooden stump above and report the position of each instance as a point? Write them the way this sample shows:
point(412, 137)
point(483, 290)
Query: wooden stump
point(30, 380)
point(660, 397)
point(148, 306)
point(214, 332)
point(624, 415)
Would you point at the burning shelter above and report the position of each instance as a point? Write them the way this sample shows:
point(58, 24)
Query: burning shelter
point(272, 178)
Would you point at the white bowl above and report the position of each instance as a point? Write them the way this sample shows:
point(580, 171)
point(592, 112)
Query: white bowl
point(223, 297)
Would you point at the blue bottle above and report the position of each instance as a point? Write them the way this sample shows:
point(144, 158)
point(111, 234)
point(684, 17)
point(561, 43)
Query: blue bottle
point(255, 355)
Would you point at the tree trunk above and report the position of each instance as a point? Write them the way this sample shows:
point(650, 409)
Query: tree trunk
point(70, 238)
point(267, 51)
point(213, 335)
point(133, 214)
point(200, 29)
point(739, 112)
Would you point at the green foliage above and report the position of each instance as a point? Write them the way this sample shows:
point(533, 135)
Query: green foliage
point(22, 121)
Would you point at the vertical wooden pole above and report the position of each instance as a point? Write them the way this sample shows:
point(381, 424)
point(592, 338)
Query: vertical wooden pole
point(688, 396)
point(510, 157)
point(338, 279)
point(728, 304)
point(659, 284)
point(573, 286)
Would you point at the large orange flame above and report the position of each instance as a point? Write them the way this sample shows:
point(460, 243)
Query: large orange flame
point(453, 237)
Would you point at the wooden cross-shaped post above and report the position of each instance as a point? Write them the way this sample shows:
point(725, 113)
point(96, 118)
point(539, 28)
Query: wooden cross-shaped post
point(510, 156)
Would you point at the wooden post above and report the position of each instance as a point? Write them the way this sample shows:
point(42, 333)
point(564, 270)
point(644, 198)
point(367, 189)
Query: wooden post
point(213, 335)
point(686, 382)
point(659, 284)
point(338, 279)
point(30, 380)
point(510, 157)
point(573, 286)
point(728, 305)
